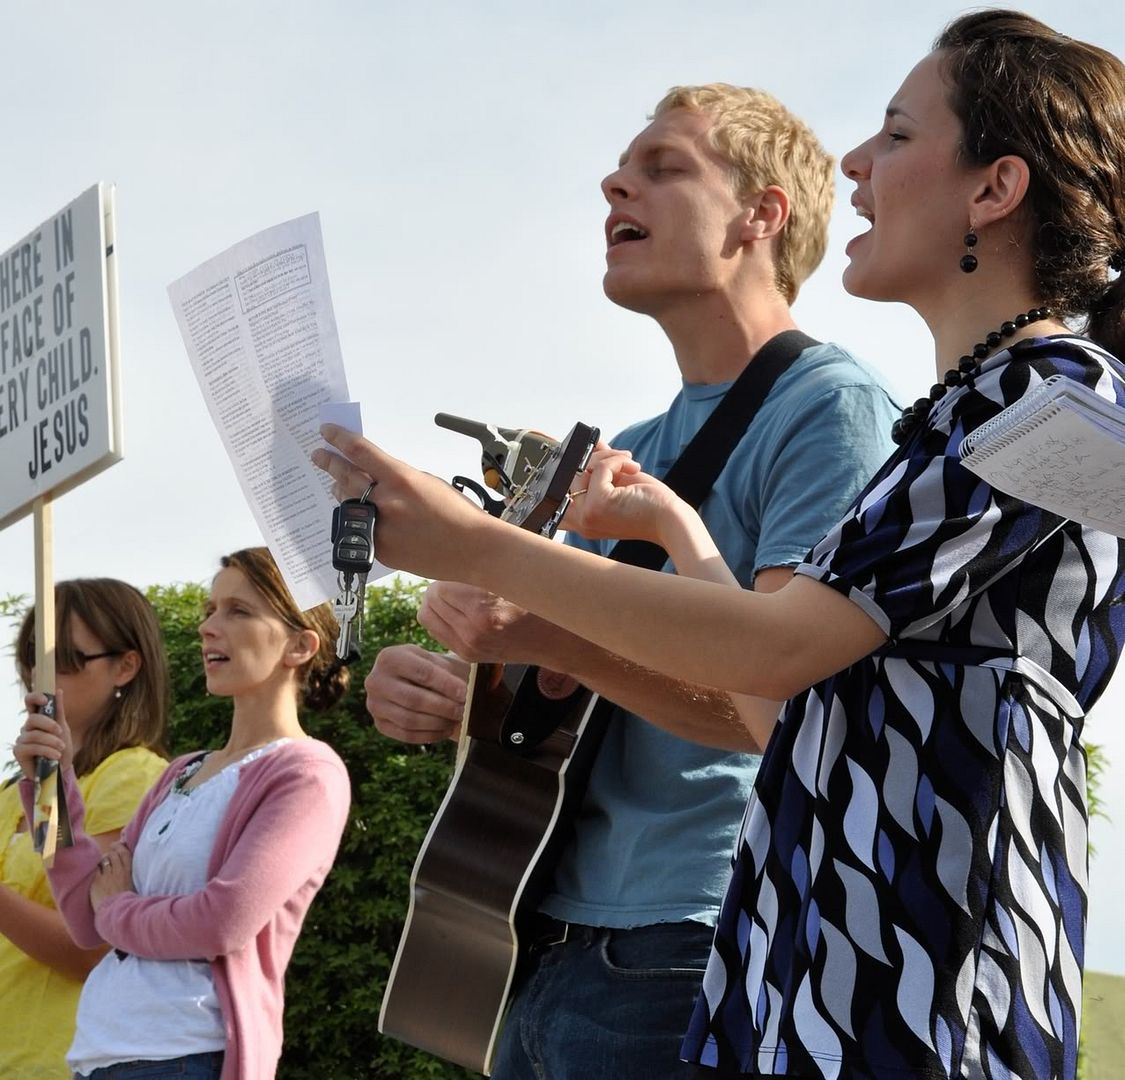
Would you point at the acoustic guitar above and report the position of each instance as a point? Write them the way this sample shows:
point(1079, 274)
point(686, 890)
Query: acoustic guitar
point(527, 743)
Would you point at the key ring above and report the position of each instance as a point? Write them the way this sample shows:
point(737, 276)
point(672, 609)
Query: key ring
point(366, 492)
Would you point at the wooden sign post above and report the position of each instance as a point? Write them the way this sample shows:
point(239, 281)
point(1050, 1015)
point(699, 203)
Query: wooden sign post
point(60, 411)
point(50, 805)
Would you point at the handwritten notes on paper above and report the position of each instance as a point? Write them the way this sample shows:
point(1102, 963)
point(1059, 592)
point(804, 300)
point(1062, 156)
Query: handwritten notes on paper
point(1063, 450)
point(259, 328)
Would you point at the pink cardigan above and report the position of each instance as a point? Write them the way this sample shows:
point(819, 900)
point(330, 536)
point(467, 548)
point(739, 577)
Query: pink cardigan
point(274, 847)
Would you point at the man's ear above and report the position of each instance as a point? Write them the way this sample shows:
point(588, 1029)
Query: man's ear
point(303, 648)
point(766, 214)
point(1001, 191)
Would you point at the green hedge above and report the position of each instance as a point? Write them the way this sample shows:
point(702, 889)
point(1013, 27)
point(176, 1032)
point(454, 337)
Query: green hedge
point(335, 981)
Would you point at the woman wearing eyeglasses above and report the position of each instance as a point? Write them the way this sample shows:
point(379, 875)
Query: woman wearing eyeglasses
point(112, 671)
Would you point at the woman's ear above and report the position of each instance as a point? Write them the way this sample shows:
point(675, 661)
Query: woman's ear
point(304, 646)
point(128, 665)
point(1001, 192)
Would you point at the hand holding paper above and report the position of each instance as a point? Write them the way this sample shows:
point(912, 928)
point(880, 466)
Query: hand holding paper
point(259, 329)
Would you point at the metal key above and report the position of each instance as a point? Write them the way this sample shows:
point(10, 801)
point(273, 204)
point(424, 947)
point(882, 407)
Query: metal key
point(345, 609)
point(353, 555)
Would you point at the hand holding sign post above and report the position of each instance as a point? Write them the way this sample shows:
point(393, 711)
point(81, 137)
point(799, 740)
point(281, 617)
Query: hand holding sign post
point(60, 419)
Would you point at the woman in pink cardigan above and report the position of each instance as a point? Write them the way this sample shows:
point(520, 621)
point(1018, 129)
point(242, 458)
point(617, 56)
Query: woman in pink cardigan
point(203, 897)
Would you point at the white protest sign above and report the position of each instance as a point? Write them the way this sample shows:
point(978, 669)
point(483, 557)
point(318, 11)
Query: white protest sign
point(60, 418)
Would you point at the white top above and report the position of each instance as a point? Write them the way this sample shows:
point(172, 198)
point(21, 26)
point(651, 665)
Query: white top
point(134, 1009)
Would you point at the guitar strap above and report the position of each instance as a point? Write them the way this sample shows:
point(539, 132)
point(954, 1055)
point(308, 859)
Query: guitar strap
point(695, 471)
point(691, 476)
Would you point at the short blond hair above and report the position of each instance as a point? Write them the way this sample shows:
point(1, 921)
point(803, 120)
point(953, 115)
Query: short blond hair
point(765, 144)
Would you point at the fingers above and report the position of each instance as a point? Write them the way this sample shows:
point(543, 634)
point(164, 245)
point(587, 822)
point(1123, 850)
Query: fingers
point(475, 624)
point(602, 455)
point(457, 594)
point(363, 455)
point(46, 736)
point(413, 696)
point(449, 612)
point(117, 857)
point(612, 468)
point(425, 526)
point(414, 729)
point(621, 501)
point(39, 742)
point(596, 486)
point(348, 481)
point(34, 701)
point(119, 854)
point(114, 874)
point(40, 736)
point(604, 451)
point(442, 630)
point(32, 745)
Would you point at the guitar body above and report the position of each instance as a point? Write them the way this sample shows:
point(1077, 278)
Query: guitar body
point(526, 747)
point(483, 865)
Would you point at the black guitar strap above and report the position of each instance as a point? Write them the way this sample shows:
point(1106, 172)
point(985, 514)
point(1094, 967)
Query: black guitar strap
point(695, 471)
point(691, 477)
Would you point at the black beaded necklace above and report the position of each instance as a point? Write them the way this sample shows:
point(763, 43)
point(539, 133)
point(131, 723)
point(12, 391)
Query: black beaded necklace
point(968, 368)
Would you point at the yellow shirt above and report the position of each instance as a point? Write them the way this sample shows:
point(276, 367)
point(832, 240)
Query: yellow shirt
point(37, 1005)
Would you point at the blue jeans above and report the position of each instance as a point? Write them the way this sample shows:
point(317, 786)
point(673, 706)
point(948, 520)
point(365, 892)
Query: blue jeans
point(606, 1005)
point(192, 1067)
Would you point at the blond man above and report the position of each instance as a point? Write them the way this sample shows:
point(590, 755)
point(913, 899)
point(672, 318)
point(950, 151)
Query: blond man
point(718, 214)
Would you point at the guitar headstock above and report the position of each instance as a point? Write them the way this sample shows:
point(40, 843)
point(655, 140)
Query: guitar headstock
point(541, 497)
point(532, 471)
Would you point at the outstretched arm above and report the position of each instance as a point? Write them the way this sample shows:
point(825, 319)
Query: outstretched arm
point(416, 696)
point(484, 628)
point(766, 645)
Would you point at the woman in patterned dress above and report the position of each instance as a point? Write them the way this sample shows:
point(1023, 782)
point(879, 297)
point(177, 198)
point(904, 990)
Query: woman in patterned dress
point(909, 889)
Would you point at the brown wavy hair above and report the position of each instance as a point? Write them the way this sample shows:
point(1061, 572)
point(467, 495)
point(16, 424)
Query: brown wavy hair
point(323, 678)
point(1019, 87)
point(121, 618)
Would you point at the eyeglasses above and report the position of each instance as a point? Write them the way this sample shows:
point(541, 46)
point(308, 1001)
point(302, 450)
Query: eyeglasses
point(81, 659)
point(84, 658)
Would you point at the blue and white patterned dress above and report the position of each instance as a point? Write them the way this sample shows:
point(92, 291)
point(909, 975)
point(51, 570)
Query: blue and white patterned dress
point(909, 889)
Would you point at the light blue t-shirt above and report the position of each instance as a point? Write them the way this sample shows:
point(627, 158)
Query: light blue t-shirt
point(658, 824)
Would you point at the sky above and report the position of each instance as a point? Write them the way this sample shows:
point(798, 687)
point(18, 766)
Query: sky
point(454, 152)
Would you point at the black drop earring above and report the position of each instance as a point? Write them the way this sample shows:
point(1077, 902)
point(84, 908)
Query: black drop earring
point(969, 260)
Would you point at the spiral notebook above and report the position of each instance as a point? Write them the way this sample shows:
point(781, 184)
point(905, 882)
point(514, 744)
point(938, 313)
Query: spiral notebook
point(1061, 447)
